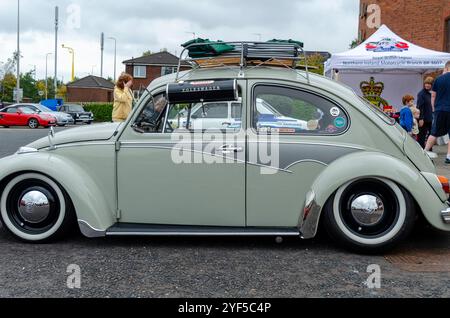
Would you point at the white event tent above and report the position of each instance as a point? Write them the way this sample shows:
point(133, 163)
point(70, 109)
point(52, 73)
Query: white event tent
point(396, 65)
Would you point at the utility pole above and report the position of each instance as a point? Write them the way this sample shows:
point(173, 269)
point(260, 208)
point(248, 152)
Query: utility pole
point(102, 48)
point(18, 54)
point(115, 56)
point(56, 50)
point(46, 74)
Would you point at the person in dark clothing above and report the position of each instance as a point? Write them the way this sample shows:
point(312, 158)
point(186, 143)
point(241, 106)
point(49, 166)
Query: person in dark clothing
point(440, 100)
point(426, 111)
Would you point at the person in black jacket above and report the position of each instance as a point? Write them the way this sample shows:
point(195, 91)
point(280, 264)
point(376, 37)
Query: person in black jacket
point(426, 111)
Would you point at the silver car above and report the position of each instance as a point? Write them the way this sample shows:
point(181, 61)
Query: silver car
point(62, 119)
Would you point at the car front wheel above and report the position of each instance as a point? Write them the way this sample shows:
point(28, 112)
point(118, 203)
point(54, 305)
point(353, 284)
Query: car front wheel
point(36, 209)
point(370, 216)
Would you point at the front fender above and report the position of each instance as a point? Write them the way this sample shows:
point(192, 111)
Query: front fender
point(90, 202)
point(372, 165)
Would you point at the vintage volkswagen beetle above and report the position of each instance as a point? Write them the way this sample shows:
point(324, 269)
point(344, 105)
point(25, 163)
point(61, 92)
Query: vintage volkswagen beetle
point(353, 170)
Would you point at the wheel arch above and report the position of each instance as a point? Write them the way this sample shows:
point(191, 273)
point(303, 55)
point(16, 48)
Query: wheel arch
point(370, 165)
point(89, 201)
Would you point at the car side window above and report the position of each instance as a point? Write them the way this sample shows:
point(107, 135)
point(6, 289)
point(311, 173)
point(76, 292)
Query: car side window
point(207, 117)
point(151, 119)
point(291, 111)
point(212, 111)
point(11, 110)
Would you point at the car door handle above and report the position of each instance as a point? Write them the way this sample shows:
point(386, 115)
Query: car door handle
point(228, 149)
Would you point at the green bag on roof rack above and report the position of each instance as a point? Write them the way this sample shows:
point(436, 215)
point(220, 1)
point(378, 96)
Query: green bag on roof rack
point(210, 49)
point(287, 42)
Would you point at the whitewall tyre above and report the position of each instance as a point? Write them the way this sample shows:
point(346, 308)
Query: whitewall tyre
point(35, 209)
point(370, 215)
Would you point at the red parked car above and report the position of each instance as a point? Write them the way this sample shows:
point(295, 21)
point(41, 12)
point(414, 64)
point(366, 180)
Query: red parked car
point(22, 116)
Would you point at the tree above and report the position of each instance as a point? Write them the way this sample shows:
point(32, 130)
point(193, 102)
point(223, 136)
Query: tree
point(62, 92)
point(316, 63)
point(147, 53)
point(8, 84)
point(28, 84)
point(354, 43)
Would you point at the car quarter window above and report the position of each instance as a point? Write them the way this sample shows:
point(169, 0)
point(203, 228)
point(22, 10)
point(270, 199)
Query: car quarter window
point(290, 111)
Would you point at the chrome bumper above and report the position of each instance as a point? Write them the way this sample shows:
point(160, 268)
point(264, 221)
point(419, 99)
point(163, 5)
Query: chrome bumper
point(446, 216)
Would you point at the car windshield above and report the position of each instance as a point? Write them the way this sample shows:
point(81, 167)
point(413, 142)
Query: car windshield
point(76, 108)
point(44, 109)
point(385, 117)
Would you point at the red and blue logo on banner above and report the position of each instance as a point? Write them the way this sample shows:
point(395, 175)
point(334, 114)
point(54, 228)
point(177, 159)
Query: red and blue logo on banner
point(387, 45)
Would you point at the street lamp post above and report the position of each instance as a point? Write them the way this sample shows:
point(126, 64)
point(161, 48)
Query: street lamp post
point(115, 55)
point(71, 51)
point(46, 74)
point(18, 53)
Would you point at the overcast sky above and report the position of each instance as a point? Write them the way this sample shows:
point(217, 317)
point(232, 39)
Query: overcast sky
point(141, 25)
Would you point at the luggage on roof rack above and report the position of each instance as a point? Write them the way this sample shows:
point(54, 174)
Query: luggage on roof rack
point(208, 54)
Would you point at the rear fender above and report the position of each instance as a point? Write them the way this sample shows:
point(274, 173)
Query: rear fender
point(364, 165)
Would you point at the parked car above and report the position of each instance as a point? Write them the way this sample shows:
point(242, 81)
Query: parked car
point(353, 171)
point(78, 113)
point(228, 116)
point(17, 115)
point(62, 119)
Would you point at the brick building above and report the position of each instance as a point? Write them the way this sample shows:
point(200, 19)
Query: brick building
point(145, 69)
point(90, 89)
point(425, 23)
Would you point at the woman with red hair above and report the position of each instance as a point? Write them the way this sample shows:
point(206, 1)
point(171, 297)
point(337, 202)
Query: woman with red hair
point(123, 98)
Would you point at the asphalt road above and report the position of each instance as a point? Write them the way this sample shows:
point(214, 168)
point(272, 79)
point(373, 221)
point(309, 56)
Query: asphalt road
point(204, 267)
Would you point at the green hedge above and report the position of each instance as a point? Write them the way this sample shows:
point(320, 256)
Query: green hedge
point(102, 111)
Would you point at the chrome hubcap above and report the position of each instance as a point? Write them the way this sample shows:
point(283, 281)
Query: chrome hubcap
point(367, 210)
point(34, 207)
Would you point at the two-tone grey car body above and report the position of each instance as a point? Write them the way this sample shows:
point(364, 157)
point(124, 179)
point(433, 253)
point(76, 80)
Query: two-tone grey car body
point(352, 170)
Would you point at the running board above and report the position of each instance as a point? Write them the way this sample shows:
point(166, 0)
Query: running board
point(188, 231)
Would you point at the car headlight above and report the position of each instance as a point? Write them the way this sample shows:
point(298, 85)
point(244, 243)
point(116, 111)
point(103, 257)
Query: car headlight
point(24, 150)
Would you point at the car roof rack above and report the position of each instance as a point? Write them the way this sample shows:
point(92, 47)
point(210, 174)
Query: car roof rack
point(246, 55)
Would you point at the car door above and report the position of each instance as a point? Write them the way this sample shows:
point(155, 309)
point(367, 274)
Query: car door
point(173, 176)
point(12, 117)
point(284, 161)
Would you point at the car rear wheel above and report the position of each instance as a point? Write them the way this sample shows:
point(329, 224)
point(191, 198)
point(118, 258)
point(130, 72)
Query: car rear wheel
point(370, 216)
point(36, 209)
point(33, 123)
